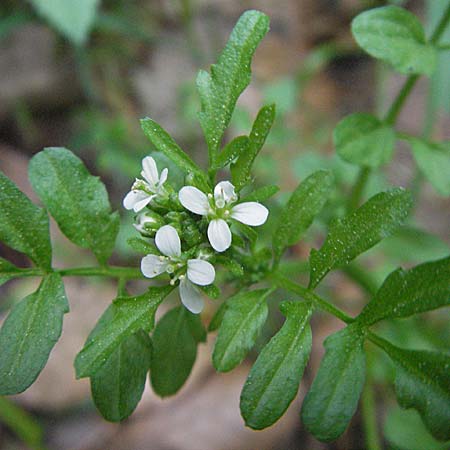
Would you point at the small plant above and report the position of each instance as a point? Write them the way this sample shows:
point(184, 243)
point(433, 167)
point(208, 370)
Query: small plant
point(207, 231)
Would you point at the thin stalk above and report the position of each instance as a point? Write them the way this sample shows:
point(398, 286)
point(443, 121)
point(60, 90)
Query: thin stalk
point(368, 409)
point(394, 110)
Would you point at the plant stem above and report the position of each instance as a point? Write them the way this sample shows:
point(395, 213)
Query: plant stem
point(285, 283)
point(394, 111)
point(368, 409)
point(126, 273)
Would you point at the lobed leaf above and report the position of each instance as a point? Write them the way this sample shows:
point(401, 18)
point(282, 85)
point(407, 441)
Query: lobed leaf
point(333, 398)
point(245, 314)
point(29, 333)
point(175, 350)
point(275, 377)
point(241, 169)
point(77, 200)
point(23, 225)
point(396, 36)
point(422, 382)
point(364, 140)
point(118, 385)
point(124, 317)
point(433, 159)
point(376, 219)
point(407, 292)
point(73, 19)
point(305, 203)
point(220, 90)
point(166, 145)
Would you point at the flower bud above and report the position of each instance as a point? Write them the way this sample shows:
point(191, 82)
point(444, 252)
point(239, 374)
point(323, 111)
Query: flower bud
point(148, 222)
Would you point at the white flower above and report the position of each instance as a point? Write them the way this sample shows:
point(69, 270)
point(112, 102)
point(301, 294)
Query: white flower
point(142, 192)
point(219, 208)
point(190, 273)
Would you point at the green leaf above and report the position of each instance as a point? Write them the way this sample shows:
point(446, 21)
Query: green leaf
point(407, 292)
point(142, 246)
point(73, 19)
point(433, 159)
point(422, 382)
point(220, 90)
point(333, 398)
point(364, 140)
point(7, 271)
point(396, 36)
point(261, 194)
point(29, 333)
point(275, 377)
point(404, 430)
point(118, 385)
point(23, 225)
point(241, 169)
point(175, 350)
point(244, 317)
point(126, 316)
point(301, 209)
point(378, 218)
point(166, 145)
point(231, 152)
point(77, 200)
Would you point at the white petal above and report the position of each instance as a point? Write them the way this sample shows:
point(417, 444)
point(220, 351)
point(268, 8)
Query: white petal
point(200, 272)
point(219, 235)
point(250, 213)
point(152, 266)
point(194, 200)
point(191, 297)
point(163, 177)
point(168, 241)
point(224, 190)
point(150, 172)
point(136, 200)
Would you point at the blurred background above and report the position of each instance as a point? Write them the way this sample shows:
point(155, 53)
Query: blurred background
point(80, 76)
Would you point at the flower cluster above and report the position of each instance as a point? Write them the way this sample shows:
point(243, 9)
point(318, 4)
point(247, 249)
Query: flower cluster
point(213, 213)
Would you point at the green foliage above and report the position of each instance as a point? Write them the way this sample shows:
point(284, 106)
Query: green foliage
point(396, 36)
point(129, 315)
point(231, 152)
point(422, 382)
point(404, 430)
point(241, 169)
point(244, 317)
point(175, 348)
point(29, 333)
point(77, 200)
point(332, 400)
point(364, 140)
point(379, 217)
point(7, 271)
point(118, 385)
point(23, 225)
point(261, 194)
point(275, 377)
point(404, 293)
point(165, 144)
point(73, 19)
point(220, 90)
point(304, 204)
point(433, 159)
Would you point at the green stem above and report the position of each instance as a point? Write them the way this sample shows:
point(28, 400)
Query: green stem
point(127, 273)
point(285, 283)
point(368, 409)
point(394, 111)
